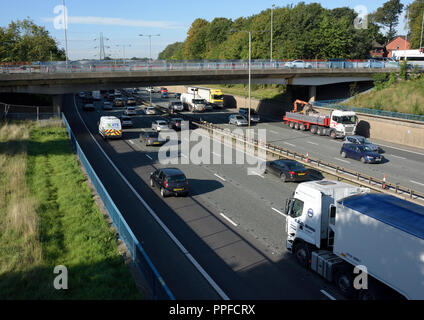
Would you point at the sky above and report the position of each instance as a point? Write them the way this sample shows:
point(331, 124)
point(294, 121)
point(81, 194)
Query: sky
point(121, 22)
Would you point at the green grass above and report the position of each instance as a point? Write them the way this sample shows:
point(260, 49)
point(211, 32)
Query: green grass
point(260, 92)
point(70, 229)
point(401, 96)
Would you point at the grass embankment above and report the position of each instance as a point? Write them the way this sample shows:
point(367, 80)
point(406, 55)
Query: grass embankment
point(401, 96)
point(48, 217)
point(260, 92)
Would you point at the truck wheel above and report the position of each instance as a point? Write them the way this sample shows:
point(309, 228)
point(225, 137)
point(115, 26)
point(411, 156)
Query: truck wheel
point(296, 126)
point(302, 127)
point(320, 131)
point(314, 129)
point(303, 254)
point(344, 281)
point(333, 134)
point(291, 125)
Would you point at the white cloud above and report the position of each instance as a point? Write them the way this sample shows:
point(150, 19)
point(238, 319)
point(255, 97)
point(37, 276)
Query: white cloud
point(119, 22)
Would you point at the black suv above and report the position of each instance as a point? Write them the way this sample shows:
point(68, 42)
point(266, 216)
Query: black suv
point(171, 181)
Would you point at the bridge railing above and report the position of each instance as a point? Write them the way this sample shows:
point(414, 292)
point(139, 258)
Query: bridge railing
point(333, 104)
point(143, 66)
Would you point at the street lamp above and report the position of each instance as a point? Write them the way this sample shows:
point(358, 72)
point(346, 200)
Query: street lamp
point(150, 41)
point(272, 18)
point(66, 36)
point(123, 47)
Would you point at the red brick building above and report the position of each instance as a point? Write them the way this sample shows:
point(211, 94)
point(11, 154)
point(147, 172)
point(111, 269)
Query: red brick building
point(398, 43)
point(378, 50)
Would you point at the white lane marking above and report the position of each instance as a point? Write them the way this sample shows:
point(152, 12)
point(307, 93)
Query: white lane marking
point(342, 160)
point(328, 295)
point(132, 142)
point(278, 211)
point(149, 157)
point(274, 132)
point(208, 278)
point(315, 144)
point(422, 154)
point(257, 174)
point(219, 177)
point(392, 155)
point(421, 184)
point(289, 144)
point(229, 220)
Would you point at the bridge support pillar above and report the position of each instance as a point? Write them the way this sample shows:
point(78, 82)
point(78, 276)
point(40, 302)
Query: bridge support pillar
point(57, 104)
point(312, 93)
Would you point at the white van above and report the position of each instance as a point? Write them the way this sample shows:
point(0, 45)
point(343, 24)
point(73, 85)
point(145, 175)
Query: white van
point(110, 127)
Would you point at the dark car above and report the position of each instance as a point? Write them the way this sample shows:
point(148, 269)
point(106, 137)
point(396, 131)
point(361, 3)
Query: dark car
point(126, 121)
point(360, 152)
point(118, 102)
point(151, 138)
point(287, 170)
point(88, 107)
point(170, 181)
point(177, 95)
point(177, 124)
point(254, 117)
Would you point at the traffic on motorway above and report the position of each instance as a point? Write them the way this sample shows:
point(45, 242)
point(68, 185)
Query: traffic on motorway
point(315, 211)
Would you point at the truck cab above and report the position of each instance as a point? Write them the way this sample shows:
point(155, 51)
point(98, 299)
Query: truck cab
point(308, 212)
point(343, 123)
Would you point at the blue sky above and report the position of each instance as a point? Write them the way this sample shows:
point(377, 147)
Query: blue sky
point(122, 21)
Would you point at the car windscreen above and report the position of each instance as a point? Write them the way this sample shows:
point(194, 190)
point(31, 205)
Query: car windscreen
point(295, 166)
point(196, 101)
point(239, 118)
point(364, 149)
point(177, 103)
point(153, 135)
point(218, 97)
point(176, 178)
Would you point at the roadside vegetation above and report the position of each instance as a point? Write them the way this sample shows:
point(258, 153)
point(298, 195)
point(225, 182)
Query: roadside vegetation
point(48, 217)
point(392, 94)
point(260, 92)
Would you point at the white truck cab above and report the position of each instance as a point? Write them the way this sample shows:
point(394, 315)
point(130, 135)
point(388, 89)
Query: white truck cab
point(308, 211)
point(110, 127)
point(343, 122)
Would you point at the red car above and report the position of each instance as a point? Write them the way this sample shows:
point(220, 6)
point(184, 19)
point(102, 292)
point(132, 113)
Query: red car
point(162, 90)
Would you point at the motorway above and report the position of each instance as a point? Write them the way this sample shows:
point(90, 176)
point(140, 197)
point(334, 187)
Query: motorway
point(232, 223)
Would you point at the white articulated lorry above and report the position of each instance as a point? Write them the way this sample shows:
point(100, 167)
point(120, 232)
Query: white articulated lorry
point(193, 103)
point(371, 245)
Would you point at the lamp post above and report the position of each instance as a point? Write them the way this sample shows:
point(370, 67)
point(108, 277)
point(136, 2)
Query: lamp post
point(65, 13)
point(272, 18)
point(123, 48)
point(150, 41)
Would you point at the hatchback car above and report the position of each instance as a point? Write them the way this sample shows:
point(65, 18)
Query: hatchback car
point(362, 141)
point(160, 125)
point(164, 95)
point(88, 107)
point(176, 106)
point(131, 102)
point(170, 181)
point(107, 105)
point(287, 170)
point(360, 152)
point(298, 64)
point(150, 110)
point(118, 102)
point(151, 138)
point(177, 124)
point(126, 121)
point(238, 120)
point(130, 111)
point(254, 117)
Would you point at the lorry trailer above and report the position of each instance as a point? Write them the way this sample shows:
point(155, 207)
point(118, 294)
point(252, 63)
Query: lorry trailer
point(347, 234)
point(336, 125)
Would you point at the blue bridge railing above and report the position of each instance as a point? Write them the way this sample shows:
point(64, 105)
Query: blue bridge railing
point(155, 282)
point(333, 104)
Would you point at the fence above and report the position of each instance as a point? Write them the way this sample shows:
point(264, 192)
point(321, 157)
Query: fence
point(19, 112)
point(143, 66)
point(331, 104)
point(154, 281)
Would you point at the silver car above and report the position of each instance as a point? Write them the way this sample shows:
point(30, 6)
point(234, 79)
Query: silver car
point(298, 64)
point(150, 110)
point(160, 125)
point(362, 141)
point(130, 111)
point(238, 120)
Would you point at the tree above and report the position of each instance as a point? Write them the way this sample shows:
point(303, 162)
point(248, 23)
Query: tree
point(388, 16)
point(173, 51)
point(25, 41)
point(415, 13)
point(195, 44)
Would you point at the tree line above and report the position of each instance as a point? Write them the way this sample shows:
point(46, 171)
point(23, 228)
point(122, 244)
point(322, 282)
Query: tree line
point(301, 31)
point(23, 40)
